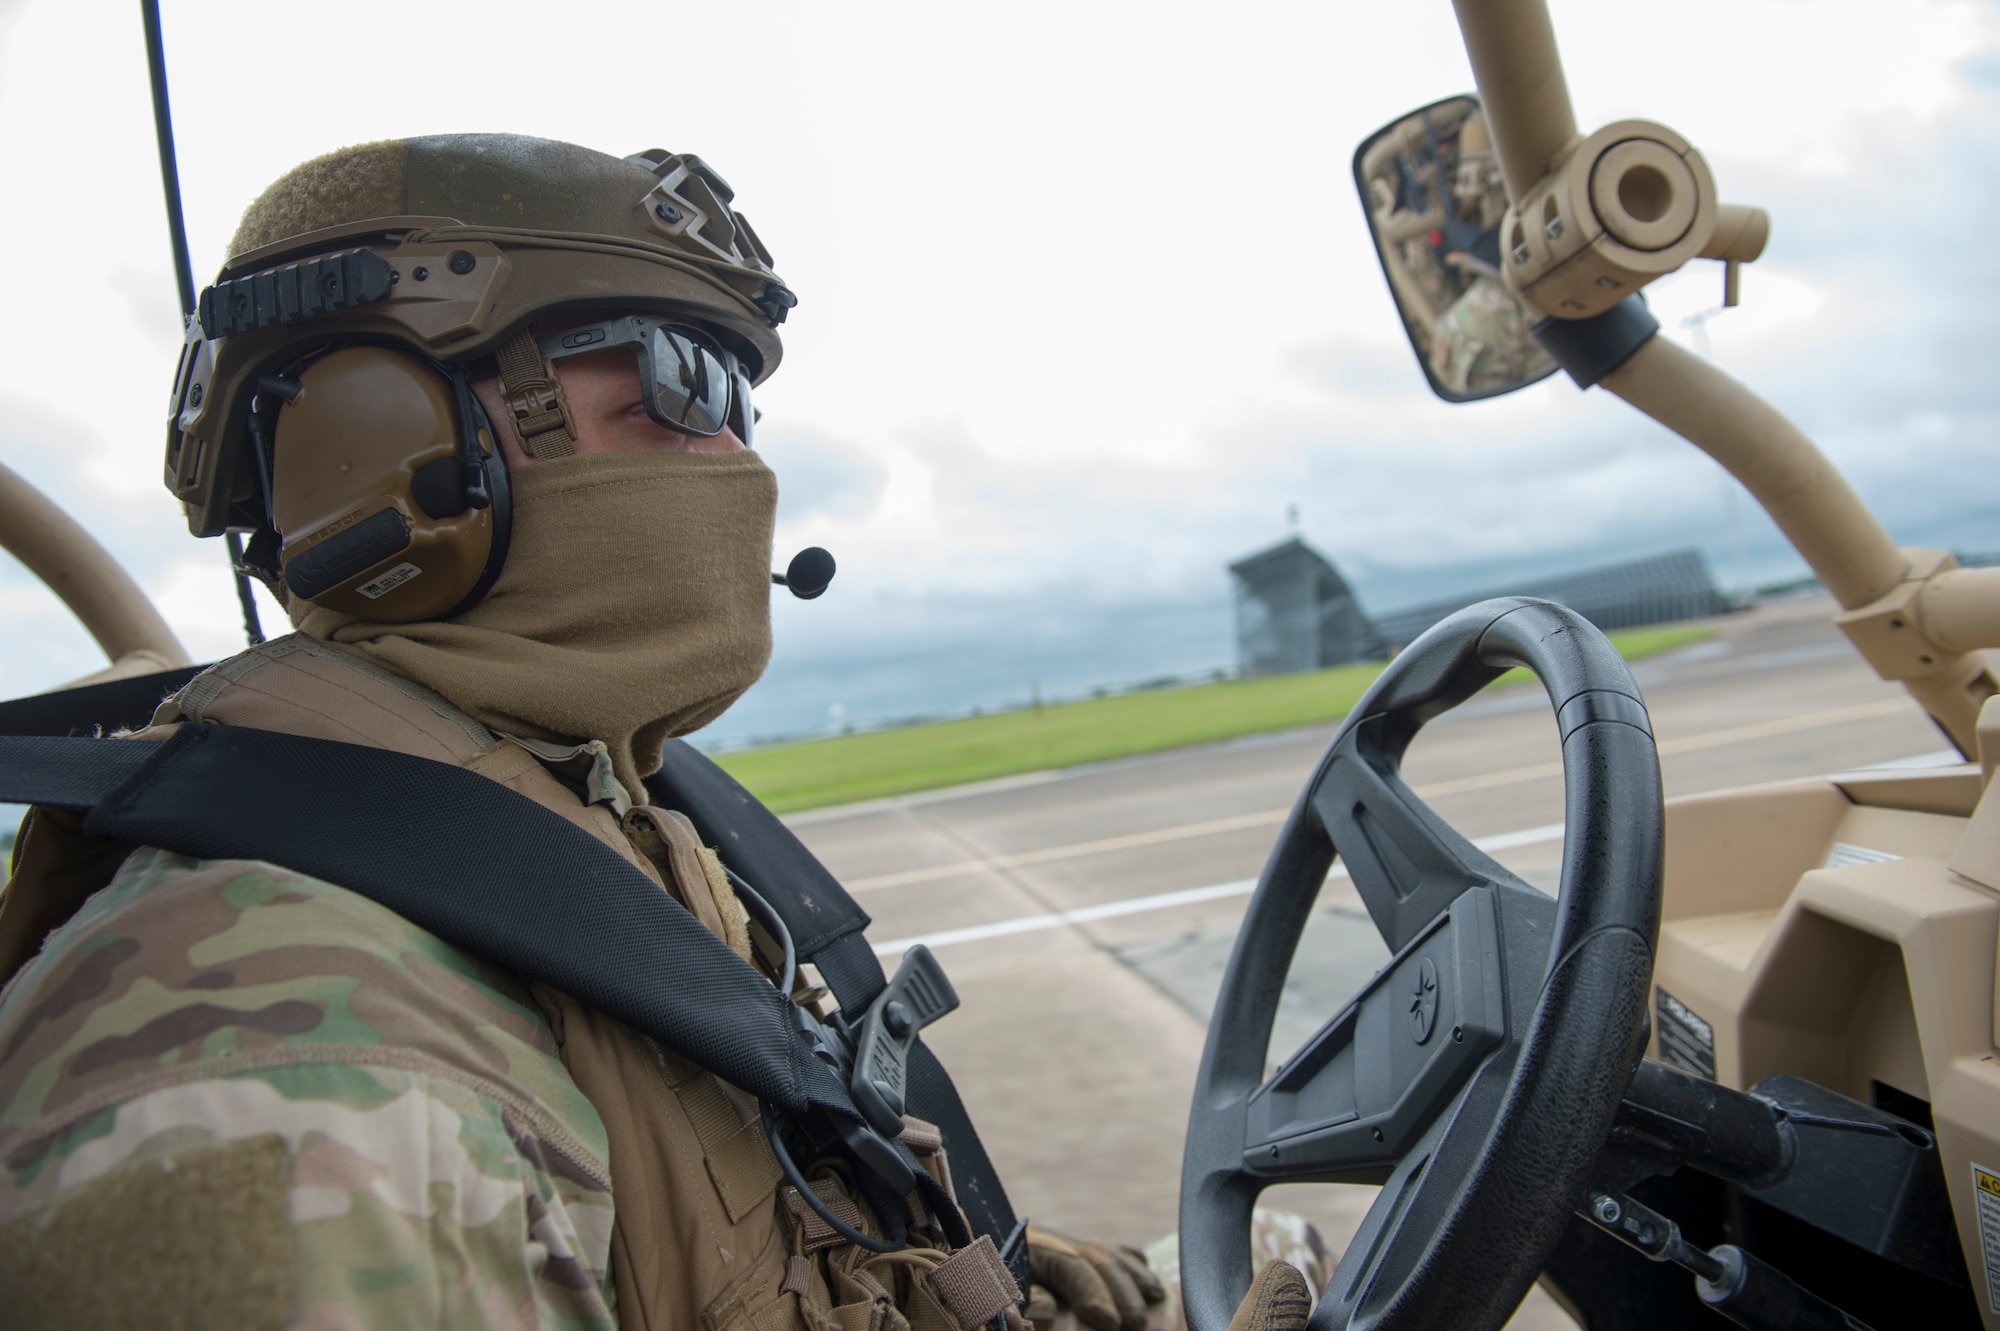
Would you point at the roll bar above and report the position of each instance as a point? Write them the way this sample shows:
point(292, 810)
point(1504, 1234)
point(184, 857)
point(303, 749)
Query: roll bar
point(90, 582)
point(1520, 76)
point(1913, 614)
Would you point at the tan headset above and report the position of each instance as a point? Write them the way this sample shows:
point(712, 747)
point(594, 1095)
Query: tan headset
point(390, 492)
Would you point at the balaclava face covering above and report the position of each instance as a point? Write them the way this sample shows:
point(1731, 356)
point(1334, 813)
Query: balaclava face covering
point(635, 604)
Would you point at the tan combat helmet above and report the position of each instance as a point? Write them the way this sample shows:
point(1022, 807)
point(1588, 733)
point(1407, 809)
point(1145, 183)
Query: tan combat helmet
point(447, 246)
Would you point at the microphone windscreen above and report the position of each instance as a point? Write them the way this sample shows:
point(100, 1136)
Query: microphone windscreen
point(809, 572)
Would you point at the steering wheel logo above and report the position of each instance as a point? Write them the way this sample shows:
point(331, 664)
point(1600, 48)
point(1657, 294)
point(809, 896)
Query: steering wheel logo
point(1424, 1001)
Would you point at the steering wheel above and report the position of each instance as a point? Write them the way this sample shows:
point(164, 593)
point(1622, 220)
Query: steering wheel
point(1476, 1076)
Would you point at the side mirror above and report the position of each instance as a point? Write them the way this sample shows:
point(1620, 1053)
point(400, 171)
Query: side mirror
point(1431, 187)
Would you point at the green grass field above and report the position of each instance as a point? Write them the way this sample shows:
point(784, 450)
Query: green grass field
point(947, 753)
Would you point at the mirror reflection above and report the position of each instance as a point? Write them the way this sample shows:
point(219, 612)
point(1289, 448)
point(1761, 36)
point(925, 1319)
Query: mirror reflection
point(1431, 185)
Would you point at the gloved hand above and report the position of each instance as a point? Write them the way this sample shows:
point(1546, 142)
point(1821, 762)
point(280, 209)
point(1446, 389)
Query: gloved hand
point(1278, 1301)
point(1108, 1288)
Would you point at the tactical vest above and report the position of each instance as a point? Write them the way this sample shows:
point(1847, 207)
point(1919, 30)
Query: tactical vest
point(706, 1233)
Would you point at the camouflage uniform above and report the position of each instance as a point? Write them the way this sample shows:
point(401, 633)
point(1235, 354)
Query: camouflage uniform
point(427, 1144)
point(390, 1110)
point(1483, 340)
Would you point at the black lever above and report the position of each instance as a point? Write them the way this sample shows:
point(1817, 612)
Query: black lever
point(916, 997)
point(1741, 1286)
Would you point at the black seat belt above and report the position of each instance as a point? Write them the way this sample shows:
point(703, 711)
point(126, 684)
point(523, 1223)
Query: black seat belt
point(506, 879)
point(91, 708)
point(827, 926)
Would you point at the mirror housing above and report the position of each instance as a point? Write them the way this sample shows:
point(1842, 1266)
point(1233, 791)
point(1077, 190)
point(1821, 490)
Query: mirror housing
point(1432, 190)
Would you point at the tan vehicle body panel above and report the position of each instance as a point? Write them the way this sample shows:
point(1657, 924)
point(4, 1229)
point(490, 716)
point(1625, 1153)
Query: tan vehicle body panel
point(1856, 975)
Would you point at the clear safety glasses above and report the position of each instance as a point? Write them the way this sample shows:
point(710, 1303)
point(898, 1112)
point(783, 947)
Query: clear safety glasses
point(690, 383)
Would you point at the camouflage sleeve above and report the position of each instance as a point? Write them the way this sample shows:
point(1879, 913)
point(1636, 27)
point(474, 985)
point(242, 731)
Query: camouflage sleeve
point(231, 1095)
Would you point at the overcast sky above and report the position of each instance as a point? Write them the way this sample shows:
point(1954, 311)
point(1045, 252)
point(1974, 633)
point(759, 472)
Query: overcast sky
point(1085, 298)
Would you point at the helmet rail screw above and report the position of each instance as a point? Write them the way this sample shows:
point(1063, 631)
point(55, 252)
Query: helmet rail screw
point(461, 262)
point(666, 212)
point(421, 274)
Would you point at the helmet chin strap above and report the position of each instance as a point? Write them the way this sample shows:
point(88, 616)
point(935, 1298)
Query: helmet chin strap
point(535, 399)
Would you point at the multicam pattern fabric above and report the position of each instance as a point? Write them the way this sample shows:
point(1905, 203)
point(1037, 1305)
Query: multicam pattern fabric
point(437, 1164)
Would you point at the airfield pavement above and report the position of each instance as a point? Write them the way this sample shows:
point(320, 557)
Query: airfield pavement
point(1085, 916)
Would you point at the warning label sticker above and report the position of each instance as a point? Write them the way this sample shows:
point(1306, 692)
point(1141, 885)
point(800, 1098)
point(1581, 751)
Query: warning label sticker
point(1986, 1193)
point(380, 586)
point(1843, 856)
point(1686, 1041)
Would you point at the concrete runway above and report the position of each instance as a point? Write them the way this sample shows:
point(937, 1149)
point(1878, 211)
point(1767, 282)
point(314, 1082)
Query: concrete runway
point(1086, 915)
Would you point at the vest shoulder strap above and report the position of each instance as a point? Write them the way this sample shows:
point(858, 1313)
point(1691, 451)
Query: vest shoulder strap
point(827, 926)
point(509, 880)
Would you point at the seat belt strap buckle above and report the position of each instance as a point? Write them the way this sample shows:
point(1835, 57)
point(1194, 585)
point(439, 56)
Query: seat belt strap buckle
point(919, 994)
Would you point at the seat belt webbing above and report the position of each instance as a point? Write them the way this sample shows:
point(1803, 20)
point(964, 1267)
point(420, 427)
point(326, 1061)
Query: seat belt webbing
point(72, 773)
point(827, 926)
point(87, 709)
point(513, 882)
point(509, 866)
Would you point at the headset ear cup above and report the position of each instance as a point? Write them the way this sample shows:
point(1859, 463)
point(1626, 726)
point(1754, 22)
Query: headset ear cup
point(362, 533)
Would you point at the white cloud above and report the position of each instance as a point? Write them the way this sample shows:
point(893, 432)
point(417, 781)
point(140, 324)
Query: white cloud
point(1086, 300)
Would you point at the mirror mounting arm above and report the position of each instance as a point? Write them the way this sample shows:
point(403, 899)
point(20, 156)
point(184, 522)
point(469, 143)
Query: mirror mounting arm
point(1592, 219)
point(1632, 203)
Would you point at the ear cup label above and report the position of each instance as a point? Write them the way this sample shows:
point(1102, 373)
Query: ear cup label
point(349, 554)
point(378, 587)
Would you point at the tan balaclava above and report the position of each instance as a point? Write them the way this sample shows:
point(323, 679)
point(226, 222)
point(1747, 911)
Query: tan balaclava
point(634, 605)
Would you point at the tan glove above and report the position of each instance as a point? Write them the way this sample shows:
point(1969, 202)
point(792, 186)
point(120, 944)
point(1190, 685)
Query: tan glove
point(1278, 1301)
point(1108, 1288)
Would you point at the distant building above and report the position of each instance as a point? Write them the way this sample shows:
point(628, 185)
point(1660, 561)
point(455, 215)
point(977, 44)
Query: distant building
point(1657, 590)
point(1295, 612)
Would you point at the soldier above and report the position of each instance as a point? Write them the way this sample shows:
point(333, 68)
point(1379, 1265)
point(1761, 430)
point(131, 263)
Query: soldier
point(485, 401)
point(1483, 338)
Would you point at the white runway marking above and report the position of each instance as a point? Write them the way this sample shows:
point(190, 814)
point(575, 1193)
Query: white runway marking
point(1512, 776)
point(1189, 896)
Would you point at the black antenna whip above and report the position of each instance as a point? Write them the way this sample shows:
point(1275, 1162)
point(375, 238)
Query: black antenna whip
point(170, 178)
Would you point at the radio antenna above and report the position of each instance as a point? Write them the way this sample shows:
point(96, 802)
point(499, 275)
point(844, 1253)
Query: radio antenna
point(170, 178)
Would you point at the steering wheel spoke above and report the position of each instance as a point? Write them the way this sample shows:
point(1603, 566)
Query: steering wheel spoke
point(1358, 1095)
point(1406, 862)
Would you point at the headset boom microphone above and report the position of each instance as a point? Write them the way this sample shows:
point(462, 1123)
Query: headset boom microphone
point(808, 574)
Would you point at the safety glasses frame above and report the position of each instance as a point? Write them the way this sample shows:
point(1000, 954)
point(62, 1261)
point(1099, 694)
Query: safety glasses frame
point(689, 382)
